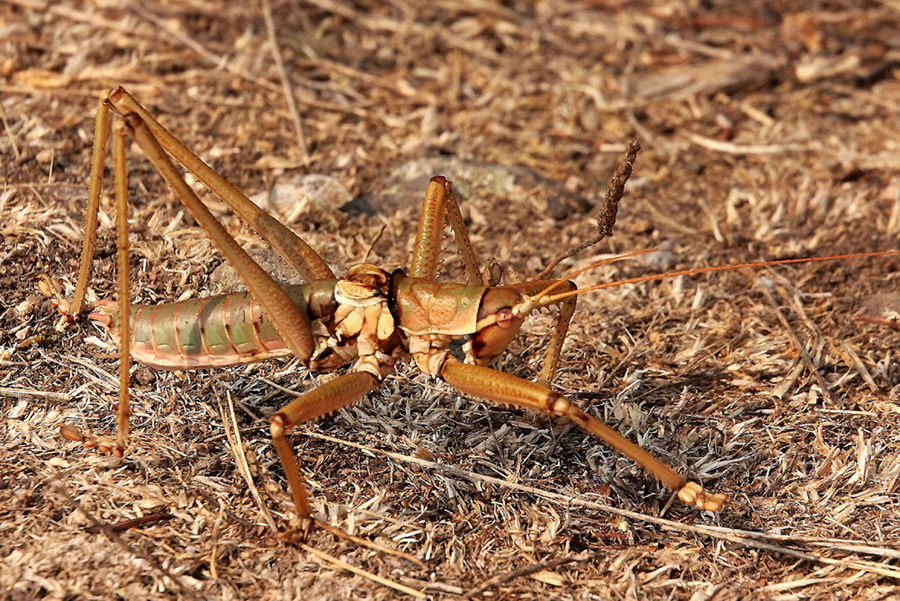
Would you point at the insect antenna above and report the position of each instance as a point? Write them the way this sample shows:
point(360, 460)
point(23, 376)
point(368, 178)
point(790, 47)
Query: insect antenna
point(543, 298)
point(537, 300)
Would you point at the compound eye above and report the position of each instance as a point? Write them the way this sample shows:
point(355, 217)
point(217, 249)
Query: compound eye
point(504, 318)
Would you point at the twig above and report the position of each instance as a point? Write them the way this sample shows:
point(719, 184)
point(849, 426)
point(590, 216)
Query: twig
point(497, 443)
point(796, 340)
point(221, 62)
point(362, 542)
point(614, 192)
point(860, 367)
point(743, 537)
point(360, 572)
point(280, 388)
point(124, 525)
point(285, 82)
point(96, 20)
point(10, 134)
point(384, 24)
point(237, 449)
point(52, 396)
point(666, 219)
point(375, 240)
point(213, 502)
point(114, 536)
point(214, 547)
point(401, 87)
point(730, 148)
point(627, 358)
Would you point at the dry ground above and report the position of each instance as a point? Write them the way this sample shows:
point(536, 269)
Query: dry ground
point(770, 131)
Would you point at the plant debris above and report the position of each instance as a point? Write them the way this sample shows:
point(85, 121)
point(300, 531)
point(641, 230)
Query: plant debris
point(766, 134)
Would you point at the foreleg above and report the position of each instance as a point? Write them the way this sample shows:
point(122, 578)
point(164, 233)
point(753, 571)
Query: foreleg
point(499, 387)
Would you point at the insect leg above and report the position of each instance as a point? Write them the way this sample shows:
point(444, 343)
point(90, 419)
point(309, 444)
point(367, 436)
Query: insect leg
point(101, 135)
point(292, 325)
point(474, 272)
point(320, 401)
point(440, 199)
point(297, 253)
point(560, 327)
point(499, 387)
point(120, 171)
point(118, 445)
point(427, 251)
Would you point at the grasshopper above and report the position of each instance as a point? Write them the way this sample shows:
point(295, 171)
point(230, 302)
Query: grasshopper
point(368, 319)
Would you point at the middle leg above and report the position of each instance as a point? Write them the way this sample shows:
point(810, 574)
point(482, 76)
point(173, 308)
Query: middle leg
point(325, 399)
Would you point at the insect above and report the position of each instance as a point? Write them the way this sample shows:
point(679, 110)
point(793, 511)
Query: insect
point(368, 319)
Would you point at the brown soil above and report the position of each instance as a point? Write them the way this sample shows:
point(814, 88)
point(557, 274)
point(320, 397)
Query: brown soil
point(770, 130)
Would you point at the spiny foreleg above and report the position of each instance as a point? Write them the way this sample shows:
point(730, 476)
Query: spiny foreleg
point(440, 200)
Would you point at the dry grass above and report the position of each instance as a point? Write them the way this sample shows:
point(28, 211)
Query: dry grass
point(769, 132)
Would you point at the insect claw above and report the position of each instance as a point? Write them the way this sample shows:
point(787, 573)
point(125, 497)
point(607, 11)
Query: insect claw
point(104, 319)
point(64, 307)
point(693, 494)
point(105, 444)
point(298, 532)
point(103, 312)
point(71, 433)
point(52, 289)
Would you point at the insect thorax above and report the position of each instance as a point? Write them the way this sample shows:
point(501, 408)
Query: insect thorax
point(362, 329)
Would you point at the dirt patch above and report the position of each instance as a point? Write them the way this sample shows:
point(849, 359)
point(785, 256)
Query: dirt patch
point(769, 131)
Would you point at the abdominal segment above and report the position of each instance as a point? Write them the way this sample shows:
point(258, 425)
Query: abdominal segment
point(217, 331)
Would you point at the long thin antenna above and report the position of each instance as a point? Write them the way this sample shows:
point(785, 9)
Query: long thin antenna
point(549, 300)
point(536, 300)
